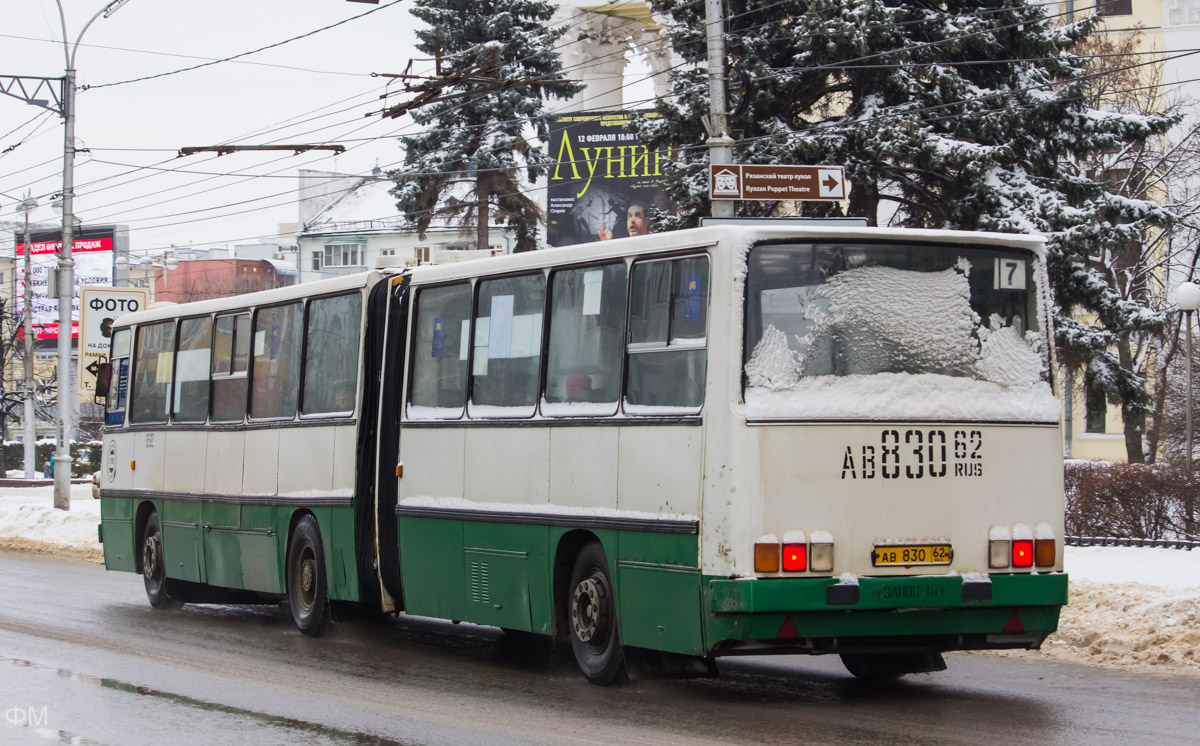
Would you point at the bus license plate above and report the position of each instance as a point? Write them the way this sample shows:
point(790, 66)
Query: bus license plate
point(912, 554)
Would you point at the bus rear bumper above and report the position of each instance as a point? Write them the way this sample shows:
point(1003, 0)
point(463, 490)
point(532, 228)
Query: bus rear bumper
point(929, 613)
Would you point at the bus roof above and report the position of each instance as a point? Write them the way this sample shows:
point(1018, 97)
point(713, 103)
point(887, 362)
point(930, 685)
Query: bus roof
point(694, 238)
point(698, 238)
point(235, 302)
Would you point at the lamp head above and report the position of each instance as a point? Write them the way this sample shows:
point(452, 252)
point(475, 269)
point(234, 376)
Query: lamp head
point(1187, 296)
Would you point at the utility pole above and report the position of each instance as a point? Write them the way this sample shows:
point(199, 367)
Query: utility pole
point(66, 262)
point(66, 298)
point(720, 144)
point(28, 422)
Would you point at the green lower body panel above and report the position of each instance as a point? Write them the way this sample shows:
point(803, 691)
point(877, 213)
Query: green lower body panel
point(230, 545)
point(116, 528)
point(745, 616)
point(503, 574)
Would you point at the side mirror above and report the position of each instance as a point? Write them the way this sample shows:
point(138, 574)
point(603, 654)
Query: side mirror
point(103, 381)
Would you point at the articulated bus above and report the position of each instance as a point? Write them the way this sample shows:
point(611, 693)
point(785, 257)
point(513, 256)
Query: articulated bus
point(731, 440)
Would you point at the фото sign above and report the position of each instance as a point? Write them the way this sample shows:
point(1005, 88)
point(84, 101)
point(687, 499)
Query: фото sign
point(777, 182)
point(93, 255)
point(101, 307)
point(604, 180)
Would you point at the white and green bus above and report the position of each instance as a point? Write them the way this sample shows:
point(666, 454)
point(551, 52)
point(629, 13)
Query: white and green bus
point(737, 439)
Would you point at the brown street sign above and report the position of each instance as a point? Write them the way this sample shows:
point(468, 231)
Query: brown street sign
point(776, 182)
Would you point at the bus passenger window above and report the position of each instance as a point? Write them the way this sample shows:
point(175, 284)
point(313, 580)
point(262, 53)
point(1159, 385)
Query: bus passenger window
point(668, 316)
point(439, 353)
point(508, 346)
point(152, 372)
point(331, 354)
point(191, 370)
point(587, 318)
point(231, 350)
point(276, 374)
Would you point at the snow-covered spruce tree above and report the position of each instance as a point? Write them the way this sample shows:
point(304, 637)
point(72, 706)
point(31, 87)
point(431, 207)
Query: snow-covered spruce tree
point(499, 62)
point(963, 114)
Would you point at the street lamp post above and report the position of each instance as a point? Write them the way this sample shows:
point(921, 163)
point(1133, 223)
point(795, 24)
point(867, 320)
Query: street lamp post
point(66, 262)
point(1187, 297)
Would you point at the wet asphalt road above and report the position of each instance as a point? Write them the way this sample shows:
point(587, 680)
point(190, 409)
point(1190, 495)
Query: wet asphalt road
point(84, 659)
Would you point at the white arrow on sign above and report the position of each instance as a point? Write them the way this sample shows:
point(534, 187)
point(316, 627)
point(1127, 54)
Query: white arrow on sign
point(831, 183)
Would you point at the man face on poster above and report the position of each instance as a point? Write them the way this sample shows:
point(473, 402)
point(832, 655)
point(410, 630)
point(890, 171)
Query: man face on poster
point(637, 222)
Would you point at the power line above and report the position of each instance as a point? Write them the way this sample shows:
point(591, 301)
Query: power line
point(245, 54)
point(58, 42)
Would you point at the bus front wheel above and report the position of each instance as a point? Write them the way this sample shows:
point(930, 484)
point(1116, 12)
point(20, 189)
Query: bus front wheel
point(306, 581)
point(154, 567)
point(592, 619)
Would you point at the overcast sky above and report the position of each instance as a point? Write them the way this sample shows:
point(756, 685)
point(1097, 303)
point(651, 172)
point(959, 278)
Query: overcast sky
point(314, 90)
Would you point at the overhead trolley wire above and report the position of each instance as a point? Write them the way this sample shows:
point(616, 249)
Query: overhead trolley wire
point(246, 54)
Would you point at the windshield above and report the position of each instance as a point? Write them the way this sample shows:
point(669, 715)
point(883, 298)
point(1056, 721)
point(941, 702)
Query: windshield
point(822, 313)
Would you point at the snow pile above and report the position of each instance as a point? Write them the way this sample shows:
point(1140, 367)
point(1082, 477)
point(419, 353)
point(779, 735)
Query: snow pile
point(1130, 626)
point(29, 523)
point(1116, 619)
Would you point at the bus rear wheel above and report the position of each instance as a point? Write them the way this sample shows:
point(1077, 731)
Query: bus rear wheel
point(592, 619)
point(154, 566)
point(306, 581)
point(884, 666)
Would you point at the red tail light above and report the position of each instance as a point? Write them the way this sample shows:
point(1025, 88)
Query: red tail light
point(1022, 553)
point(795, 557)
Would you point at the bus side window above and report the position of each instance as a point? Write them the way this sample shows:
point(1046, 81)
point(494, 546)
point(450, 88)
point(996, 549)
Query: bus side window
point(153, 372)
point(191, 370)
point(331, 354)
point(587, 320)
point(231, 350)
point(276, 374)
point(439, 353)
point(668, 316)
point(118, 390)
point(508, 346)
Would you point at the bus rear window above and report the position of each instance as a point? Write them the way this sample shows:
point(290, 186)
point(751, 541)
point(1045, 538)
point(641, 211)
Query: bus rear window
point(866, 319)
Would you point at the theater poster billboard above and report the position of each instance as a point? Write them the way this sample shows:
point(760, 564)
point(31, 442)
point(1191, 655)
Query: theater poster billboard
point(93, 255)
point(604, 180)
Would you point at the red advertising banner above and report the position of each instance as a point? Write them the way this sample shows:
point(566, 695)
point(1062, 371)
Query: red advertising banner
point(93, 266)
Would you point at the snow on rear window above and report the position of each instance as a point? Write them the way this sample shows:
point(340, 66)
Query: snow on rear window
point(933, 331)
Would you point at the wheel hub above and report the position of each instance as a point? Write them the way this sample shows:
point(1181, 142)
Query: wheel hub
point(152, 556)
point(589, 610)
point(308, 579)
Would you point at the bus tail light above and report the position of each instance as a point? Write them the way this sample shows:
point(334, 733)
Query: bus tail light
point(999, 551)
point(795, 557)
point(1045, 552)
point(766, 557)
point(1022, 553)
point(820, 558)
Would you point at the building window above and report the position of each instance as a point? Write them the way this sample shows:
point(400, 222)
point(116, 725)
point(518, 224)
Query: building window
point(387, 252)
point(343, 255)
point(1096, 408)
point(1117, 8)
point(316, 260)
point(422, 254)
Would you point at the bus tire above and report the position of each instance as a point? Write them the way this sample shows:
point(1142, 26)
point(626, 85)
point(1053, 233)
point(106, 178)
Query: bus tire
point(884, 666)
point(154, 566)
point(592, 619)
point(306, 582)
